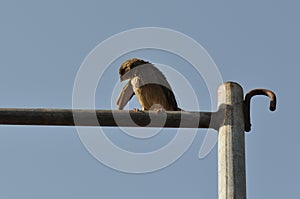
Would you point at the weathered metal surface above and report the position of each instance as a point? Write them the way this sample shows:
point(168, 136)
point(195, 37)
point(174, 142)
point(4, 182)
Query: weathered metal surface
point(231, 143)
point(232, 118)
point(64, 117)
point(248, 97)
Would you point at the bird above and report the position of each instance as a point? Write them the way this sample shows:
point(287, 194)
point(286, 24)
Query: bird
point(148, 84)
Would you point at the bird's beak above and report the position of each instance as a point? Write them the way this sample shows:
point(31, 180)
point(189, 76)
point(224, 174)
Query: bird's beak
point(125, 76)
point(122, 78)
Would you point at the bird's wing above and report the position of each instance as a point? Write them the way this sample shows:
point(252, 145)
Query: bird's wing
point(152, 75)
point(125, 95)
point(171, 98)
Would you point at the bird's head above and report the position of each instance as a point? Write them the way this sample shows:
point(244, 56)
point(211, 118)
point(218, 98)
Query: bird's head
point(126, 70)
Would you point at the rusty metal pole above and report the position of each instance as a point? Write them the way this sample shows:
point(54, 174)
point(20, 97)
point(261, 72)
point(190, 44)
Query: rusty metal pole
point(231, 143)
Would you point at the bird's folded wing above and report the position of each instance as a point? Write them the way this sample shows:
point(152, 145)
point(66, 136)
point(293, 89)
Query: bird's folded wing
point(125, 95)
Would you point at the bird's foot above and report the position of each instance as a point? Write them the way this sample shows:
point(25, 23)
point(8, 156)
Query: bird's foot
point(157, 108)
point(137, 110)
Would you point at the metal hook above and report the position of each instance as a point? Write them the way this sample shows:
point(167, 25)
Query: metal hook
point(248, 97)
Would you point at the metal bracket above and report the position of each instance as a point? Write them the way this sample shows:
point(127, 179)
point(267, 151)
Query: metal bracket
point(248, 97)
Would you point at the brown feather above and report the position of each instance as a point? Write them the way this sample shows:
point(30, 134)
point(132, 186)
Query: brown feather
point(148, 84)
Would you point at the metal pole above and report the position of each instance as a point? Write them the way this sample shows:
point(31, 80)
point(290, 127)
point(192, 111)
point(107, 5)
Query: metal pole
point(229, 120)
point(231, 143)
point(65, 117)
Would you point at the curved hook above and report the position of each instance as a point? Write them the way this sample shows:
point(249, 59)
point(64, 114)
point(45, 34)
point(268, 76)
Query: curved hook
point(248, 97)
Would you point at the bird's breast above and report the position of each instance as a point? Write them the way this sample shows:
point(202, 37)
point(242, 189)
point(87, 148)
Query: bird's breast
point(136, 83)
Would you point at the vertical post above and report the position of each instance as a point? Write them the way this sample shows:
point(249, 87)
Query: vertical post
point(231, 143)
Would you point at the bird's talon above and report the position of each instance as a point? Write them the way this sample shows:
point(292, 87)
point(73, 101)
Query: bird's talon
point(136, 110)
point(159, 110)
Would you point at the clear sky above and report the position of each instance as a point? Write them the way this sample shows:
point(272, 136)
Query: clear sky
point(42, 45)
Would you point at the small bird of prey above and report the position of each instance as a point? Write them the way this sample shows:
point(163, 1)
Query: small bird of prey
point(150, 86)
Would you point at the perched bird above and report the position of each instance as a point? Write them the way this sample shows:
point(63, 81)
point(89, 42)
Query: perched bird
point(148, 84)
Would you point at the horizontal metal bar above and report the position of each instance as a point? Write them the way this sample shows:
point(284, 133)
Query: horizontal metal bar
point(80, 117)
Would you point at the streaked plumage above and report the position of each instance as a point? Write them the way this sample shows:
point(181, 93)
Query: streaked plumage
point(148, 84)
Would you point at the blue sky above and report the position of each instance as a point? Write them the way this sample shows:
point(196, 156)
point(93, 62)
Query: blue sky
point(44, 43)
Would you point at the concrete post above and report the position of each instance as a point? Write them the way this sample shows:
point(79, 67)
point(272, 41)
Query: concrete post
point(231, 143)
